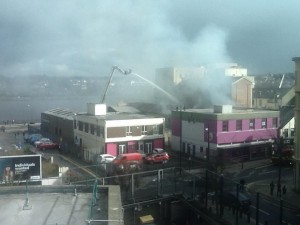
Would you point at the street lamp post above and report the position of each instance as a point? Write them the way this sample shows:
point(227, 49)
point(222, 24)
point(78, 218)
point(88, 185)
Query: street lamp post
point(180, 142)
point(29, 111)
point(180, 136)
point(208, 143)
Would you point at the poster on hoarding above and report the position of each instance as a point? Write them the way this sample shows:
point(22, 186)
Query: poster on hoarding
point(20, 168)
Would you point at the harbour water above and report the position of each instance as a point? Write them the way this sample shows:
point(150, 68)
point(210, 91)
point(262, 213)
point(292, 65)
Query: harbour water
point(30, 109)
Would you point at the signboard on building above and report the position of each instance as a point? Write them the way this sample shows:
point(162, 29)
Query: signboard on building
point(20, 168)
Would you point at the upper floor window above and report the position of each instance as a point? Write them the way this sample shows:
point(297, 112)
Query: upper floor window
point(128, 131)
point(252, 124)
point(264, 123)
point(92, 128)
point(86, 127)
point(155, 129)
point(75, 124)
point(225, 126)
point(102, 131)
point(80, 125)
point(98, 131)
point(239, 125)
point(144, 130)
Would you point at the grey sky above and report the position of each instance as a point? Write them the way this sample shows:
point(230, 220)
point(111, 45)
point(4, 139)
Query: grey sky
point(88, 37)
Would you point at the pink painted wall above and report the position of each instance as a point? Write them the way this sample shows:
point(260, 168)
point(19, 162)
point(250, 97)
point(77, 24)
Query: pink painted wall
point(246, 135)
point(111, 148)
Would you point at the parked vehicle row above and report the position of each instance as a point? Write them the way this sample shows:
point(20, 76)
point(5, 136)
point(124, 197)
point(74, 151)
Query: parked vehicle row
point(133, 160)
point(41, 142)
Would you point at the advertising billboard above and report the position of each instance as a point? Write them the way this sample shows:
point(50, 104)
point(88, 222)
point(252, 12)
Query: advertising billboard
point(20, 168)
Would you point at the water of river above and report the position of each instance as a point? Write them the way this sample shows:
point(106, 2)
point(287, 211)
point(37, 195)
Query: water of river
point(30, 109)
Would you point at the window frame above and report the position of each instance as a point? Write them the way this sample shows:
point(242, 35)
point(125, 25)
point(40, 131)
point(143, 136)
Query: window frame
point(239, 125)
point(264, 124)
point(225, 125)
point(251, 124)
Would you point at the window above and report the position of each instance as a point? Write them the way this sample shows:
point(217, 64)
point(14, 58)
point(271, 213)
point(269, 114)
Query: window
point(274, 122)
point(251, 124)
point(144, 130)
point(75, 124)
point(128, 131)
point(239, 125)
point(148, 147)
point(225, 126)
point(80, 125)
point(201, 149)
point(292, 132)
point(264, 123)
point(86, 127)
point(141, 145)
point(98, 131)
point(102, 131)
point(285, 133)
point(92, 129)
point(155, 129)
point(122, 149)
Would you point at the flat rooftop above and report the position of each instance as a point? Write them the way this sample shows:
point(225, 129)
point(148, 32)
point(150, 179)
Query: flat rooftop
point(60, 205)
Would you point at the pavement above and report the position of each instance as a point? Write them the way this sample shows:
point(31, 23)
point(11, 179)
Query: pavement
point(292, 197)
point(290, 200)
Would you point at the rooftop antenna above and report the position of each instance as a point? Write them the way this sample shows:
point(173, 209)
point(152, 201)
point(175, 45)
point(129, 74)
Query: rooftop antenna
point(125, 72)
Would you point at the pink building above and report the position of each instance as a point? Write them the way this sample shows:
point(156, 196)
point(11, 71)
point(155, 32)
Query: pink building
point(239, 133)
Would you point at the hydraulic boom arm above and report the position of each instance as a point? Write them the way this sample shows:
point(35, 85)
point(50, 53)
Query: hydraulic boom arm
point(125, 72)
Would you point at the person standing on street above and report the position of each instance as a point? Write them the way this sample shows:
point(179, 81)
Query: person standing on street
point(278, 190)
point(284, 190)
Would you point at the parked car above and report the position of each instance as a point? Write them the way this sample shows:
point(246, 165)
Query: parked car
point(42, 140)
point(158, 150)
point(48, 145)
point(128, 161)
point(34, 138)
point(105, 158)
point(158, 156)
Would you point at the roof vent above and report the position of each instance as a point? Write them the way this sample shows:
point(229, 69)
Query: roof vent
point(96, 109)
point(222, 108)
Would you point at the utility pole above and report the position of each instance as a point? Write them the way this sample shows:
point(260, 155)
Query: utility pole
point(180, 140)
point(208, 143)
